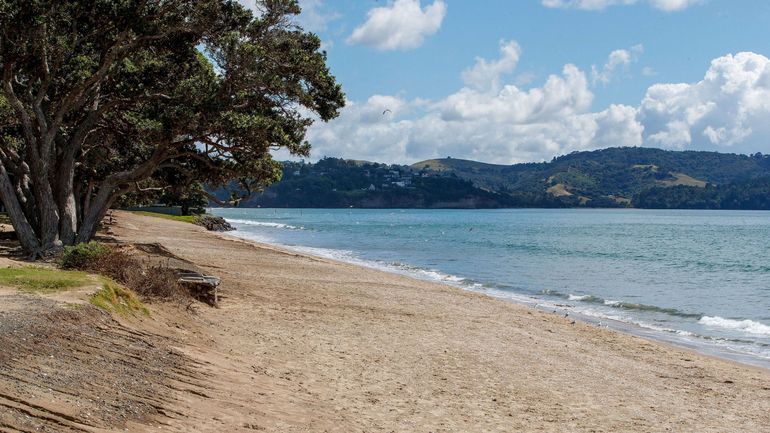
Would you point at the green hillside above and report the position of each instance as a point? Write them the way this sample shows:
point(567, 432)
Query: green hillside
point(616, 177)
point(615, 174)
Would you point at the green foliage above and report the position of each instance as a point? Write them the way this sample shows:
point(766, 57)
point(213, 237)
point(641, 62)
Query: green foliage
point(617, 177)
point(751, 194)
point(190, 198)
point(78, 256)
point(181, 218)
point(43, 280)
point(105, 99)
point(334, 182)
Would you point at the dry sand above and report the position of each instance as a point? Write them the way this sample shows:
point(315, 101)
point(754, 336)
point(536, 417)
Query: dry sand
point(303, 344)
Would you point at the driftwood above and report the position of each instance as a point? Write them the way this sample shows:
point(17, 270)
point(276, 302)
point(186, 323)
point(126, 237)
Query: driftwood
point(200, 285)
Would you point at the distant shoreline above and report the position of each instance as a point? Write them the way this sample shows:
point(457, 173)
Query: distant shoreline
point(630, 177)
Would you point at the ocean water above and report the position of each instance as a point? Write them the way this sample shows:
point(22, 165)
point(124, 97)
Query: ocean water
point(695, 278)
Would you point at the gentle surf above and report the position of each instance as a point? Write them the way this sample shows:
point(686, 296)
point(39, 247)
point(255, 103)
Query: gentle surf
point(696, 278)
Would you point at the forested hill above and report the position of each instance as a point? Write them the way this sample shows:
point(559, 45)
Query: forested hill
point(616, 177)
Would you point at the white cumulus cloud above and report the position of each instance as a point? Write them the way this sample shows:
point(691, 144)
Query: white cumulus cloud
point(673, 5)
point(487, 74)
point(402, 25)
point(493, 120)
point(484, 120)
point(665, 5)
point(618, 59)
point(729, 108)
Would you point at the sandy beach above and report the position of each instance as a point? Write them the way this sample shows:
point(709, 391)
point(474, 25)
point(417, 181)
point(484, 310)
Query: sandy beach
point(305, 344)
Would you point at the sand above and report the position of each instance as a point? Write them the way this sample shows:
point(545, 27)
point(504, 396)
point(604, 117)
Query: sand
point(305, 344)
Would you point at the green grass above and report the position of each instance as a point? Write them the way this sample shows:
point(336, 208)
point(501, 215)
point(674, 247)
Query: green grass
point(185, 219)
point(43, 280)
point(114, 298)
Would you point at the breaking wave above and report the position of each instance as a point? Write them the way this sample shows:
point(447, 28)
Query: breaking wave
point(748, 326)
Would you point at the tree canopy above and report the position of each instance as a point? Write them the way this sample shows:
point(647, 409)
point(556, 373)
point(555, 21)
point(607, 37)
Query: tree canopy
point(104, 97)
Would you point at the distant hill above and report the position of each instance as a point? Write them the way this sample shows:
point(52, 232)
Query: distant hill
point(615, 177)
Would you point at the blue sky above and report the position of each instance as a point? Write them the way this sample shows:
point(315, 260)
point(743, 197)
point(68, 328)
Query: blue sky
point(511, 81)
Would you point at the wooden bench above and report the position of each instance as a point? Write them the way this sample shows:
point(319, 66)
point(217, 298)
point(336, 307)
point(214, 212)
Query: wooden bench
point(200, 284)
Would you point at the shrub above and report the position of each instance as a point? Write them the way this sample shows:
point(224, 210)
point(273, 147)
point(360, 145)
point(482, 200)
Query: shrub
point(80, 256)
point(149, 282)
point(158, 283)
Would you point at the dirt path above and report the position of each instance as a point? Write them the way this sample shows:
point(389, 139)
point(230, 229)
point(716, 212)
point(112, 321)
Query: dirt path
point(302, 344)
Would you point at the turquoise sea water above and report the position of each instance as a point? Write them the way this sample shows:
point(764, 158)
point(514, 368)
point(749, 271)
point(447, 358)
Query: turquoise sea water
point(696, 278)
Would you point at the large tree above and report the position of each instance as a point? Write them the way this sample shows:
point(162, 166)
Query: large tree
point(101, 96)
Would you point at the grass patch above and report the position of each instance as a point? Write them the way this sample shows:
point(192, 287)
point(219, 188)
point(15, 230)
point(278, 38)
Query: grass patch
point(114, 298)
point(184, 219)
point(43, 280)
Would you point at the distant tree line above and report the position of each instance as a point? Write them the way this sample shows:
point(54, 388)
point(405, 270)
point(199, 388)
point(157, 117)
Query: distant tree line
point(615, 177)
point(751, 194)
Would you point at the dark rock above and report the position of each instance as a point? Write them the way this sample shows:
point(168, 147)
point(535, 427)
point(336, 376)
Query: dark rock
point(214, 223)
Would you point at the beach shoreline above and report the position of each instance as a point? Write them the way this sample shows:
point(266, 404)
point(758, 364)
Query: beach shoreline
point(380, 351)
point(433, 276)
point(306, 344)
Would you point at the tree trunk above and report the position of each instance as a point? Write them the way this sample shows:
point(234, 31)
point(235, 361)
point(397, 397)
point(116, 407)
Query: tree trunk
point(68, 214)
point(24, 231)
point(26, 199)
point(86, 206)
point(68, 220)
point(96, 211)
point(48, 214)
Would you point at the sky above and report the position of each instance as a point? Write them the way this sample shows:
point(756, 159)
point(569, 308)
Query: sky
point(509, 81)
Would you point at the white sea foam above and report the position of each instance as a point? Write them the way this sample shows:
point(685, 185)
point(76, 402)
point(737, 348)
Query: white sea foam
point(263, 224)
point(748, 326)
point(600, 314)
point(685, 333)
point(399, 268)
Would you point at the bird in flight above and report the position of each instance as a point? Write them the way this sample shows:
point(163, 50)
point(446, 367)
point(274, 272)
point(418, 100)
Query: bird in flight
point(387, 110)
